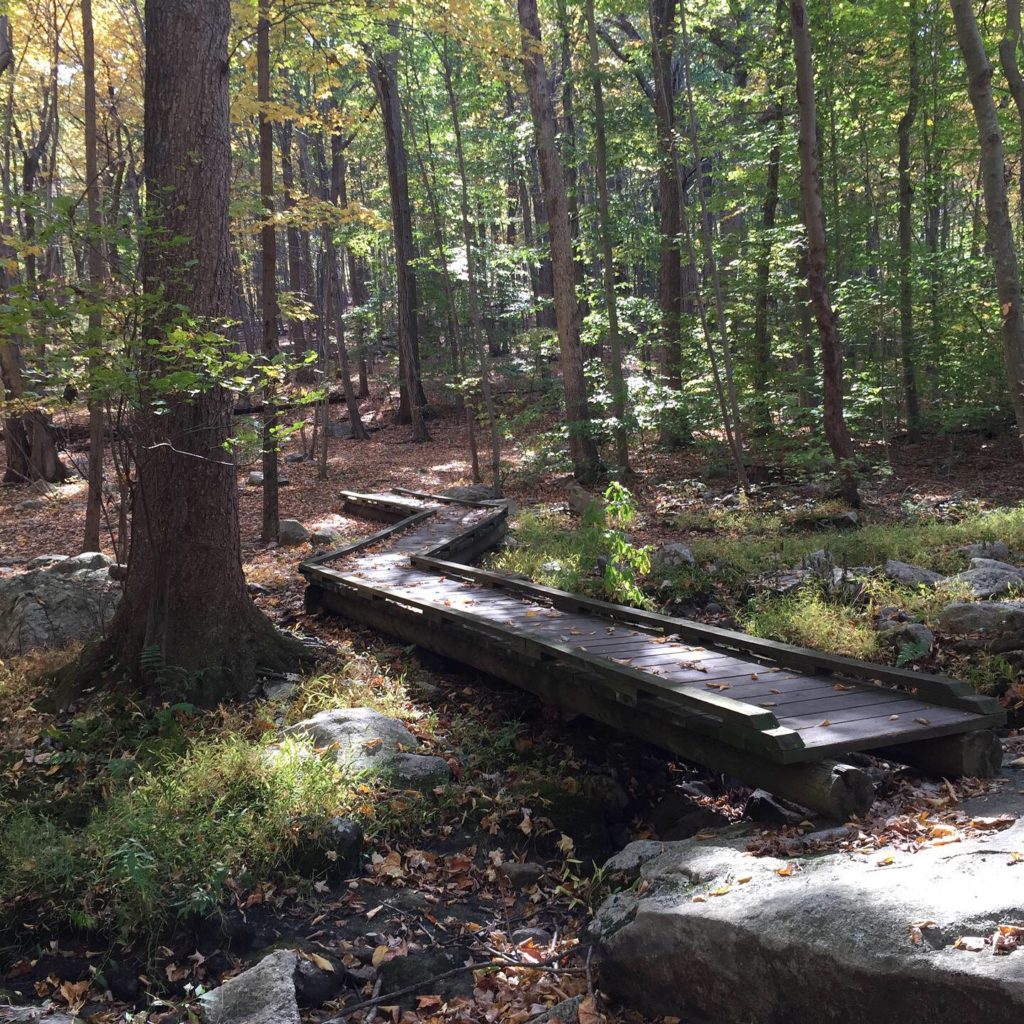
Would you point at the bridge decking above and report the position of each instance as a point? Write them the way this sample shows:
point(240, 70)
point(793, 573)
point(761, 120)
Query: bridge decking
point(648, 673)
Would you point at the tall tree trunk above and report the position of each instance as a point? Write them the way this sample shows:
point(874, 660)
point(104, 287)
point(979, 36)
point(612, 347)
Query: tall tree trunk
point(582, 448)
point(670, 273)
point(1008, 48)
point(296, 271)
point(268, 290)
point(836, 432)
point(906, 233)
point(338, 197)
point(97, 274)
point(617, 378)
point(761, 355)
point(476, 321)
point(997, 206)
point(186, 624)
point(730, 403)
point(384, 72)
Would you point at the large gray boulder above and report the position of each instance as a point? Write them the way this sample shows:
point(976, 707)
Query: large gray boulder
point(55, 607)
point(368, 741)
point(831, 940)
point(988, 578)
point(911, 575)
point(291, 532)
point(986, 549)
point(87, 561)
point(264, 994)
point(473, 492)
point(997, 625)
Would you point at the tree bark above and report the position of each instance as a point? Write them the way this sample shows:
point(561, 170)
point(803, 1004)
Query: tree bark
point(186, 626)
point(97, 273)
point(476, 321)
point(582, 449)
point(384, 73)
point(836, 431)
point(268, 289)
point(617, 379)
point(997, 207)
point(906, 233)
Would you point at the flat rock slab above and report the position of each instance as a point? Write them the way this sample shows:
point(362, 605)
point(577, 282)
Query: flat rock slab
point(264, 994)
point(829, 943)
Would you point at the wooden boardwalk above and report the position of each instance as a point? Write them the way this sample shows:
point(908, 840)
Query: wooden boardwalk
point(772, 713)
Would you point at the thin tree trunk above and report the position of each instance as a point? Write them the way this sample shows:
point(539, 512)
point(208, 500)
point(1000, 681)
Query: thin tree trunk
point(617, 379)
point(836, 431)
point(97, 274)
point(476, 321)
point(997, 206)
point(1008, 47)
point(384, 73)
point(582, 448)
point(762, 347)
point(268, 246)
point(906, 233)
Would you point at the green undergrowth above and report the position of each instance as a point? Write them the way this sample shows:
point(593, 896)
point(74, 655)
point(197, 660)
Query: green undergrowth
point(125, 822)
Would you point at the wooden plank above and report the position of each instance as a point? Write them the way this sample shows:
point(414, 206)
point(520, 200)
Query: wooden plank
point(737, 713)
point(937, 689)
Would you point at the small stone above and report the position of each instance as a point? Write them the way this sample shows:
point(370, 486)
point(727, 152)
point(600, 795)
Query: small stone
point(521, 876)
point(713, 608)
point(672, 556)
point(255, 478)
point(762, 806)
point(293, 457)
point(552, 566)
point(909, 634)
point(986, 549)
point(423, 772)
point(292, 532)
point(45, 561)
point(31, 505)
point(282, 690)
point(846, 521)
point(911, 575)
point(324, 537)
point(118, 571)
point(87, 560)
point(314, 986)
point(264, 994)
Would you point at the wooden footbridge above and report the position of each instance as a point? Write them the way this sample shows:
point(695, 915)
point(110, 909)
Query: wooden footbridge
point(778, 716)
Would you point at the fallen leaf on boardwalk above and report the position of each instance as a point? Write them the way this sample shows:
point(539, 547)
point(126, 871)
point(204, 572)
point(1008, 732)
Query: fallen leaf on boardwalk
point(825, 722)
point(884, 862)
point(717, 686)
point(922, 721)
point(775, 691)
point(994, 824)
point(892, 718)
point(753, 675)
point(844, 686)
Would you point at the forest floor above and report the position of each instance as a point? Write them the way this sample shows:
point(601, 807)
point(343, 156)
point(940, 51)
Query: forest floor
point(528, 787)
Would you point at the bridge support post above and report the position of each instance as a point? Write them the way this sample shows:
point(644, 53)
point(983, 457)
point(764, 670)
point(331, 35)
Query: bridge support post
point(976, 754)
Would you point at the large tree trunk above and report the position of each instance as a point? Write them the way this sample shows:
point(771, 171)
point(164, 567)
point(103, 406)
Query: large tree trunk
point(582, 448)
point(186, 624)
point(836, 432)
point(384, 72)
point(997, 206)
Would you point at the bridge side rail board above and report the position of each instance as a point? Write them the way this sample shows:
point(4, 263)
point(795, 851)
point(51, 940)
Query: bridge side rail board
point(755, 725)
point(934, 689)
